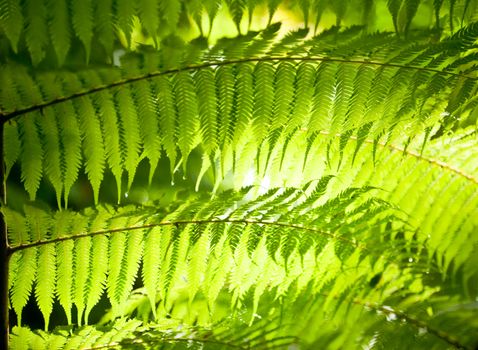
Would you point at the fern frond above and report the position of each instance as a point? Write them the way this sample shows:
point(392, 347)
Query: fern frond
point(71, 140)
point(115, 257)
point(207, 108)
point(179, 249)
point(63, 222)
point(236, 9)
point(99, 263)
point(93, 144)
point(148, 11)
point(225, 88)
point(22, 282)
point(11, 145)
point(31, 154)
point(103, 13)
point(391, 121)
point(81, 270)
point(52, 156)
point(60, 31)
point(170, 334)
point(152, 265)
point(171, 11)
point(167, 118)
point(46, 281)
point(130, 134)
point(36, 33)
point(263, 99)
point(82, 19)
point(11, 21)
point(149, 126)
point(188, 121)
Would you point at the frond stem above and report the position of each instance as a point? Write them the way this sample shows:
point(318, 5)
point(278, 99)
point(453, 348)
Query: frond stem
point(385, 309)
point(416, 155)
point(13, 249)
point(5, 116)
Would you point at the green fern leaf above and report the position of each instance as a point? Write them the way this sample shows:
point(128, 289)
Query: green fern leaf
point(46, 281)
point(260, 44)
point(437, 4)
point(152, 265)
point(361, 88)
point(125, 10)
point(289, 44)
point(225, 92)
point(59, 28)
point(63, 221)
point(304, 89)
point(148, 12)
point(149, 128)
point(273, 241)
point(82, 19)
point(394, 8)
point(9, 96)
point(236, 9)
point(319, 7)
point(197, 265)
point(219, 270)
point(217, 233)
point(272, 6)
point(255, 236)
point(111, 131)
point(23, 281)
point(207, 105)
point(284, 86)
point(52, 156)
point(130, 134)
point(11, 145)
point(70, 138)
point(345, 76)
point(99, 262)
point(17, 230)
point(244, 103)
point(263, 99)
point(170, 260)
point(167, 118)
point(11, 21)
point(36, 33)
point(188, 121)
point(116, 252)
point(321, 118)
point(93, 148)
point(170, 10)
point(82, 269)
point(211, 7)
point(31, 154)
point(234, 234)
point(129, 266)
point(104, 24)
point(406, 14)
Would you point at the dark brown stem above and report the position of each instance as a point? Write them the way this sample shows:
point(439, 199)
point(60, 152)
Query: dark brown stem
point(4, 253)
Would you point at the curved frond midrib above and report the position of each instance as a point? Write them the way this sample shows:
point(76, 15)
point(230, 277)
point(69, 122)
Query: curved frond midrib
point(14, 248)
point(8, 115)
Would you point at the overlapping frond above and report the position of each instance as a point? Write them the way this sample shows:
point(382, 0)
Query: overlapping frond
point(97, 25)
point(190, 242)
point(362, 93)
point(293, 240)
point(169, 334)
point(335, 171)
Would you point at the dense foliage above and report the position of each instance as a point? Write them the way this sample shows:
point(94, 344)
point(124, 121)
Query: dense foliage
point(195, 174)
